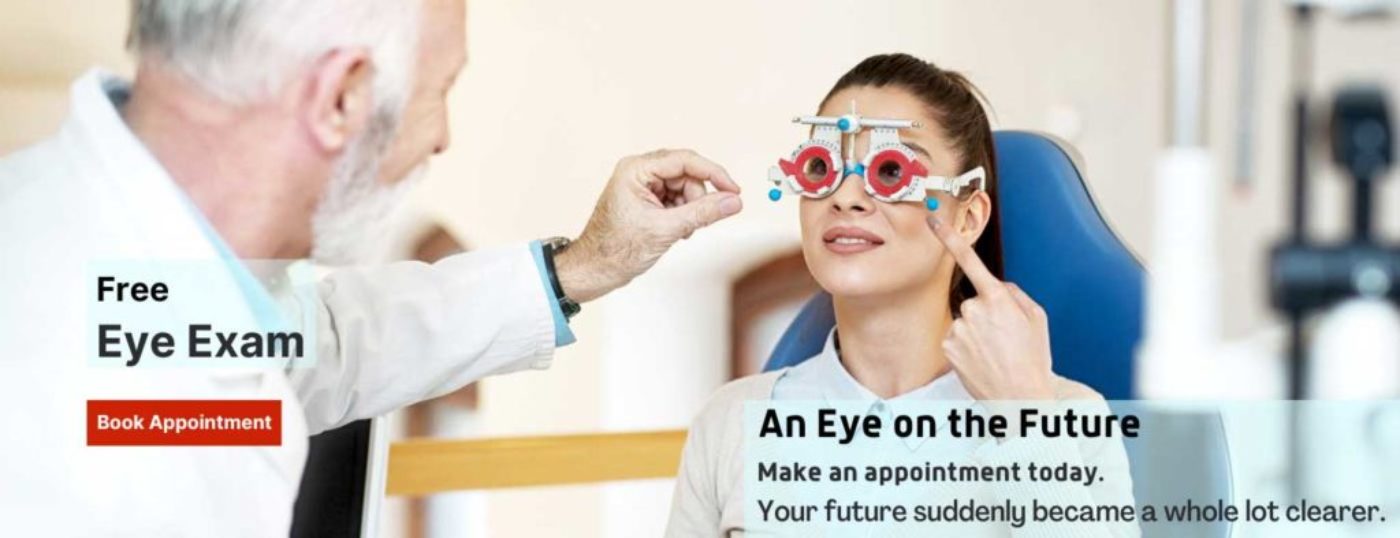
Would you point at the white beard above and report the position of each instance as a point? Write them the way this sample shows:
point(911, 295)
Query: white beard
point(351, 218)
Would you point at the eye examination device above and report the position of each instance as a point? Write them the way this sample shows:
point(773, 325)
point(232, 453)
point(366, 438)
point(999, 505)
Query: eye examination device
point(1329, 373)
point(890, 169)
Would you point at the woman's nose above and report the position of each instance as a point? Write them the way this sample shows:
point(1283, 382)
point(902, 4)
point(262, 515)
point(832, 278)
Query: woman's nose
point(851, 195)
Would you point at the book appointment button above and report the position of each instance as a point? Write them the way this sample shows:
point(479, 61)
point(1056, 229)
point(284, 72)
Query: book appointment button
point(184, 422)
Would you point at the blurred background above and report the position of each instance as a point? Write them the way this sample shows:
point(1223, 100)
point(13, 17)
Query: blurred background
point(556, 91)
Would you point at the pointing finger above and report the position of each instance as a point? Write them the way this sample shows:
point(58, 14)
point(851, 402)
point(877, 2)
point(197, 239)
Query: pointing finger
point(982, 278)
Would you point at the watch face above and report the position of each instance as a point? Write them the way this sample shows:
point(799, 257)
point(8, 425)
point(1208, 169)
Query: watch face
point(569, 306)
point(557, 243)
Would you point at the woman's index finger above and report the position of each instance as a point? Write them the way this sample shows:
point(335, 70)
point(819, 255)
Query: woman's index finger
point(982, 278)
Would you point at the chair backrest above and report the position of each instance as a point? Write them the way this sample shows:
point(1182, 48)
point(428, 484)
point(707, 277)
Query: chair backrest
point(1060, 250)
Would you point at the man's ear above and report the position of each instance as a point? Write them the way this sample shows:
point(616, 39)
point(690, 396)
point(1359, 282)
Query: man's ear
point(975, 212)
point(340, 97)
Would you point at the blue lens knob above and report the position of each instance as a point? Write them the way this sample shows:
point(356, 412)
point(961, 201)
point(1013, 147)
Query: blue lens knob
point(775, 194)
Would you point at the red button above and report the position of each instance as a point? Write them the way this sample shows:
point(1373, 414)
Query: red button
point(184, 422)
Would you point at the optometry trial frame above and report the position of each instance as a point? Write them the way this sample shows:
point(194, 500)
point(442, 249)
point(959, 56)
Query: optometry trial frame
point(890, 170)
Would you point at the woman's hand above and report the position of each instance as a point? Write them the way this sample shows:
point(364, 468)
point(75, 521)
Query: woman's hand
point(1000, 347)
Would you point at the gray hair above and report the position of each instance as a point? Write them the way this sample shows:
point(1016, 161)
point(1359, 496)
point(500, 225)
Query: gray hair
point(243, 50)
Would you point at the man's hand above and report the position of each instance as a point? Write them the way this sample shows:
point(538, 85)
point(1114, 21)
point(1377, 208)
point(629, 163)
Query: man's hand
point(652, 201)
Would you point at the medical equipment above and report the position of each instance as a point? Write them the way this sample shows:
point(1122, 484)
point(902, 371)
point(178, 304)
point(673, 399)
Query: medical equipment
point(1352, 280)
point(1184, 366)
point(891, 169)
point(1309, 276)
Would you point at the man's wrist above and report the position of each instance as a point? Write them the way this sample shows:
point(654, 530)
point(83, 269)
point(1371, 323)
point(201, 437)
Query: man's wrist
point(550, 249)
point(583, 274)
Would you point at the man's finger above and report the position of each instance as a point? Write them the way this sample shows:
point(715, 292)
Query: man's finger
point(688, 191)
point(972, 266)
point(681, 164)
point(707, 210)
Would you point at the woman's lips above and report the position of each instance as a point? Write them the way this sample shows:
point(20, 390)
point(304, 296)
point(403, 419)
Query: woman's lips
point(850, 240)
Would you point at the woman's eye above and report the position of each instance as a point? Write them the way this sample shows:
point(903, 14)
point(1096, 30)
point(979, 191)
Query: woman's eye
point(816, 169)
point(889, 173)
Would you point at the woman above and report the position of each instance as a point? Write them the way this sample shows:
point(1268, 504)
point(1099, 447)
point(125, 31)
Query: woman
point(921, 312)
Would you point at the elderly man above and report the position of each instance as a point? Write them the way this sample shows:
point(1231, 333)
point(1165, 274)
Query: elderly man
point(270, 129)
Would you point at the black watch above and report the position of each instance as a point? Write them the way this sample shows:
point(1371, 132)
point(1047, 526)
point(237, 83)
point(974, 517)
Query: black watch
point(552, 246)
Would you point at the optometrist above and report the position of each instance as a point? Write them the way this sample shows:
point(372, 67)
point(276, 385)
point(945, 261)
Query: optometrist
point(259, 129)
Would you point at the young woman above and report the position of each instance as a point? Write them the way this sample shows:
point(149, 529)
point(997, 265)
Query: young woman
point(921, 311)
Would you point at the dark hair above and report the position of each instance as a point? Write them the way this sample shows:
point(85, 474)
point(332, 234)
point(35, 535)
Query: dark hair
point(956, 105)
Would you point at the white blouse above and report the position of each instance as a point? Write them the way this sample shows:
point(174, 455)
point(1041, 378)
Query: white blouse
point(709, 497)
point(823, 377)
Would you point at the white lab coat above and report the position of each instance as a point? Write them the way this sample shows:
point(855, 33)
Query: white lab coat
point(388, 336)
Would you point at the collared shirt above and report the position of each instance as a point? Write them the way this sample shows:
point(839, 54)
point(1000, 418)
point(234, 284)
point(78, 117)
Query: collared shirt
point(710, 489)
point(824, 377)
